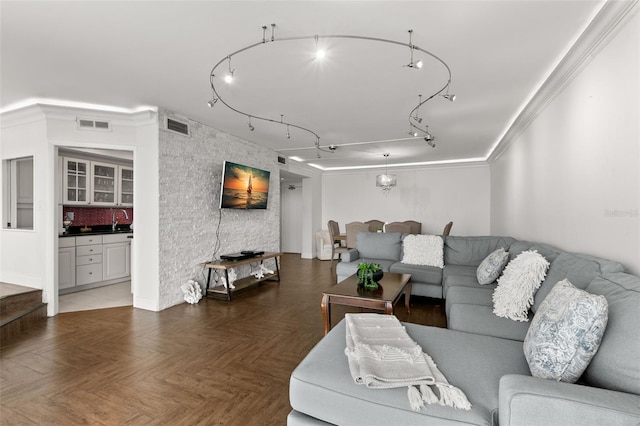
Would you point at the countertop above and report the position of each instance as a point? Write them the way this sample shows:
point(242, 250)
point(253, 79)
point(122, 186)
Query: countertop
point(74, 231)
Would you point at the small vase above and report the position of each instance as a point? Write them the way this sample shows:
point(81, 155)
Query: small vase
point(377, 276)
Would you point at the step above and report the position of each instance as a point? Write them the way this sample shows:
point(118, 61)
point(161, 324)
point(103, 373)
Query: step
point(20, 308)
point(16, 299)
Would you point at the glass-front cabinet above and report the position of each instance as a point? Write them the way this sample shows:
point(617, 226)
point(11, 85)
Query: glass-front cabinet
point(96, 183)
point(104, 183)
point(126, 186)
point(76, 181)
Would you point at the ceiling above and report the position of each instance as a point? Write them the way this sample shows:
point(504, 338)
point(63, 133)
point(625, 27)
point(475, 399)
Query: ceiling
point(133, 54)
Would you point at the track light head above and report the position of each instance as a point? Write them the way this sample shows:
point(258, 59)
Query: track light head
point(414, 134)
point(449, 97)
point(418, 119)
point(418, 64)
point(251, 127)
point(212, 102)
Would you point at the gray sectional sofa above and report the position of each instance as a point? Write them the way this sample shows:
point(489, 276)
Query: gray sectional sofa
point(479, 352)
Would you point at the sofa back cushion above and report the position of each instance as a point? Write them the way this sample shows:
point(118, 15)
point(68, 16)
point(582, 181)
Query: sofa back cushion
point(471, 251)
point(548, 252)
point(578, 268)
point(379, 245)
point(616, 365)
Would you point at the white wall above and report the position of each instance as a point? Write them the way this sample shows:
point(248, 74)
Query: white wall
point(23, 253)
point(433, 196)
point(572, 179)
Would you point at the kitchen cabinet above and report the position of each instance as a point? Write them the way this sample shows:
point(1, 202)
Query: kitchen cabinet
point(116, 256)
point(125, 195)
point(89, 261)
point(67, 262)
point(96, 183)
point(76, 181)
point(104, 183)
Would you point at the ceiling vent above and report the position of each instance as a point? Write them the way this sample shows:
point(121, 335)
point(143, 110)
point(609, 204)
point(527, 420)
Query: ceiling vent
point(178, 127)
point(88, 124)
point(282, 160)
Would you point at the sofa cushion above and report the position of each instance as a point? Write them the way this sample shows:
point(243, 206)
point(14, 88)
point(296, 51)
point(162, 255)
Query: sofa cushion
point(471, 251)
point(565, 333)
point(463, 280)
point(491, 267)
point(469, 296)
point(425, 250)
point(549, 252)
point(470, 310)
point(419, 274)
point(580, 269)
point(324, 376)
point(379, 245)
point(514, 295)
point(616, 365)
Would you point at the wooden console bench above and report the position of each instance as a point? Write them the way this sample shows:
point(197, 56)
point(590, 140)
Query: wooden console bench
point(221, 292)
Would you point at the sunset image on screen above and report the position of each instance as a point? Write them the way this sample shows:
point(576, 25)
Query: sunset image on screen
point(244, 187)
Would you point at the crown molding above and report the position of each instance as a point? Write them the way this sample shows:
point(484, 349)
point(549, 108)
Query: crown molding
point(602, 29)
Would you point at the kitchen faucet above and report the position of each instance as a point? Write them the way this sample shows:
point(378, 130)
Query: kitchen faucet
point(114, 218)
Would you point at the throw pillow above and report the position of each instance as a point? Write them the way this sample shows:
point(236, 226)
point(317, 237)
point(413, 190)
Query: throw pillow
point(427, 250)
point(565, 333)
point(521, 278)
point(491, 267)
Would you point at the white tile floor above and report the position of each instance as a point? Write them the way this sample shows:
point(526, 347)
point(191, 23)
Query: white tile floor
point(98, 298)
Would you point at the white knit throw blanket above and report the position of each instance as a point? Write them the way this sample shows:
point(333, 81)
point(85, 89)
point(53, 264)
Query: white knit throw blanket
point(382, 355)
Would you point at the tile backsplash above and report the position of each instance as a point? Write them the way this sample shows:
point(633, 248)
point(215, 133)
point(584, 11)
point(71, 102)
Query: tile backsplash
point(88, 216)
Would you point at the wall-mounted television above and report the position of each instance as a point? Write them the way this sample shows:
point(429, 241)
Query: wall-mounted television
point(244, 187)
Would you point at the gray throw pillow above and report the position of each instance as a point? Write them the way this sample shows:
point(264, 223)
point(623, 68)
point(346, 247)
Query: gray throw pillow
point(565, 333)
point(491, 267)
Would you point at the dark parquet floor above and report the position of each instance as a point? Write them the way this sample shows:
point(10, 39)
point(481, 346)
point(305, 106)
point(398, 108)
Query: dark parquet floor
point(214, 363)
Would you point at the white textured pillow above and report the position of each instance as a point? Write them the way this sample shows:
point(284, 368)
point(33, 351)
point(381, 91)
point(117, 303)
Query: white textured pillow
point(521, 278)
point(565, 333)
point(427, 250)
point(491, 267)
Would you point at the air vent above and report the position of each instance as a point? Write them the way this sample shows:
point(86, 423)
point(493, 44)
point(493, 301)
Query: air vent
point(176, 126)
point(88, 124)
point(282, 160)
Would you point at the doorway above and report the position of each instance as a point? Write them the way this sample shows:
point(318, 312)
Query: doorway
point(291, 207)
point(95, 236)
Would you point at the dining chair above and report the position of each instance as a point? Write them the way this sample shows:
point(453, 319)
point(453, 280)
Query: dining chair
point(336, 244)
point(447, 229)
point(352, 230)
point(400, 227)
point(416, 227)
point(375, 225)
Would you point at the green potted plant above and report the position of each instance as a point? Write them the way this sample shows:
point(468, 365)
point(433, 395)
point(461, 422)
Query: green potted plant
point(369, 274)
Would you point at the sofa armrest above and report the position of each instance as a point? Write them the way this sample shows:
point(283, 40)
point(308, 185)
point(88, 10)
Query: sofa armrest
point(350, 255)
point(526, 400)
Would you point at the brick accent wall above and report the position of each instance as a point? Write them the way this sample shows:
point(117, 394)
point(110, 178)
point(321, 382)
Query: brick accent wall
point(190, 174)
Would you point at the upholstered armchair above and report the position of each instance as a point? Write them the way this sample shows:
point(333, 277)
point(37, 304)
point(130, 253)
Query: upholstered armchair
point(323, 245)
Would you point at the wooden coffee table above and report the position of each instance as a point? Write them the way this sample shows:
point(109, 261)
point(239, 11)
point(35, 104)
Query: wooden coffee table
point(347, 293)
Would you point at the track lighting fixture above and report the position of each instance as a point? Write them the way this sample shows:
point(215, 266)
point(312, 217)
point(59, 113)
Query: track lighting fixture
point(320, 53)
point(411, 64)
point(449, 97)
point(229, 77)
point(414, 119)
